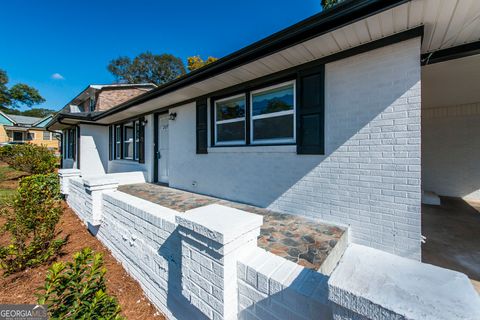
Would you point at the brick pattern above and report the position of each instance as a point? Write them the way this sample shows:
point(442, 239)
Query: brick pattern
point(109, 98)
point(370, 177)
point(270, 287)
point(79, 200)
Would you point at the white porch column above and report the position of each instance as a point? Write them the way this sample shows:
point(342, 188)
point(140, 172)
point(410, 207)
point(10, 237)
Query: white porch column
point(94, 188)
point(212, 238)
point(65, 175)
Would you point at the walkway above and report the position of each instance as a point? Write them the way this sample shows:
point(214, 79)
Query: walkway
point(452, 233)
point(295, 238)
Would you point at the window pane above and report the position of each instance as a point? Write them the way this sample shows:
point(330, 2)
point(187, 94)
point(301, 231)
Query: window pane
point(274, 100)
point(128, 140)
point(46, 135)
point(232, 131)
point(117, 133)
point(230, 109)
point(273, 128)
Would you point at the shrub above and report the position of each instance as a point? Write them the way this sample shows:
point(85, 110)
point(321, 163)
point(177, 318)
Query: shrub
point(31, 219)
point(77, 290)
point(29, 158)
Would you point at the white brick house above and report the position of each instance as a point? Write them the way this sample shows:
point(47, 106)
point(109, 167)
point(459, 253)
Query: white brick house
point(346, 117)
point(365, 169)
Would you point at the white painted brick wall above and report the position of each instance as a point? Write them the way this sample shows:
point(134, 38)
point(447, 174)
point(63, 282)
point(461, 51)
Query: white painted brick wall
point(368, 179)
point(205, 264)
point(270, 287)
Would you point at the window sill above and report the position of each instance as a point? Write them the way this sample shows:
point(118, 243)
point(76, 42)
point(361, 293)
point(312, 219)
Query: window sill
point(125, 161)
point(254, 149)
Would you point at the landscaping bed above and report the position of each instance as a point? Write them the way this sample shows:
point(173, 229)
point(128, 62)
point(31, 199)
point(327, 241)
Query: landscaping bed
point(21, 287)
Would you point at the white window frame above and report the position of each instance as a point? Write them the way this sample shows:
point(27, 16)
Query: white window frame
point(126, 142)
point(235, 142)
point(274, 114)
point(117, 153)
point(49, 137)
point(136, 139)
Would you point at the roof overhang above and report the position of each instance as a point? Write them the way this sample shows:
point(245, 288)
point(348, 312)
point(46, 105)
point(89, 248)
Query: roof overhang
point(349, 25)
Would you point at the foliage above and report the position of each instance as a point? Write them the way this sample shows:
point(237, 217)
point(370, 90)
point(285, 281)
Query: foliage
point(77, 290)
point(33, 112)
point(31, 219)
point(196, 62)
point(29, 158)
point(147, 68)
point(327, 4)
point(18, 95)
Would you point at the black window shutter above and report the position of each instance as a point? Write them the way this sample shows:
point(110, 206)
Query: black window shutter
point(141, 140)
point(202, 127)
point(311, 111)
point(110, 143)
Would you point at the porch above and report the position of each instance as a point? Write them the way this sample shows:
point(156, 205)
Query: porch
point(298, 239)
point(452, 236)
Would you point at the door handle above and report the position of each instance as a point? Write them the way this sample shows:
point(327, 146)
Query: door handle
point(158, 155)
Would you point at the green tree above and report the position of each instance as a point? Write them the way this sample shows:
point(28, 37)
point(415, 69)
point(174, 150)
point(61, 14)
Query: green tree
point(327, 4)
point(196, 62)
point(18, 95)
point(38, 112)
point(147, 67)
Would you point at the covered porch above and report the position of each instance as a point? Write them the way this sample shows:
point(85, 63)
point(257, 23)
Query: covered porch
point(306, 242)
point(451, 161)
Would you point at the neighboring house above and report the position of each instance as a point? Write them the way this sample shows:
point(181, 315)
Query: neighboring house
point(23, 129)
point(344, 117)
point(91, 101)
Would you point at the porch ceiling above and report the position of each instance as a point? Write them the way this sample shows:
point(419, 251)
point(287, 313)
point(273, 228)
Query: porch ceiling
point(448, 23)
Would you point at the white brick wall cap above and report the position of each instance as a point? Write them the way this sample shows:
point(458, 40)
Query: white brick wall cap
point(406, 287)
point(220, 223)
point(155, 210)
point(69, 172)
point(99, 181)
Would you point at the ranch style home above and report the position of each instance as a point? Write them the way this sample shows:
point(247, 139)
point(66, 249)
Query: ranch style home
point(349, 118)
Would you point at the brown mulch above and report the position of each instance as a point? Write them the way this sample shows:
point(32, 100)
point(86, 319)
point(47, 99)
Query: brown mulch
point(21, 287)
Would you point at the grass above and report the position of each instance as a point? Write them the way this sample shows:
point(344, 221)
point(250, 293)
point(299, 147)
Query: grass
point(8, 181)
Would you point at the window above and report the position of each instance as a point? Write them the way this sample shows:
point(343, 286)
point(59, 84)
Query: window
point(17, 136)
point(47, 135)
point(128, 139)
point(118, 142)
point(30, 136)
point(261, 117)
point(273, 114)
point(230, 120)
point(69, 143)
point(92, 104)
point(137, 139)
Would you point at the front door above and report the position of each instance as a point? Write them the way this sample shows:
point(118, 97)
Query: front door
point(162, 155)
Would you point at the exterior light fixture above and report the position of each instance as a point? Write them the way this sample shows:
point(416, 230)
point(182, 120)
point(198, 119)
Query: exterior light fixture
point(143, 123)
point(172, 116)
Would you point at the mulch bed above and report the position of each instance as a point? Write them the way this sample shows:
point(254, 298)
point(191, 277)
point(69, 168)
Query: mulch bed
point(21, 287)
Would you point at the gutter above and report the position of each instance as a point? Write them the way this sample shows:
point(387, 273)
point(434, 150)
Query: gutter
point(326, 21)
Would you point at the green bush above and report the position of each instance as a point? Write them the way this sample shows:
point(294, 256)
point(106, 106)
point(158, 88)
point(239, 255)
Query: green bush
point(31, 219)
point(77, 290)
point(29, 158)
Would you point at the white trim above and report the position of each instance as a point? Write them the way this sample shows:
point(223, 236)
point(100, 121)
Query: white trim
point(254, 149)
point(234, 142)
point(274, 114)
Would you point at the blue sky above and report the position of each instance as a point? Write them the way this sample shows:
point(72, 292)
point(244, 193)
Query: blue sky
point(77, 39)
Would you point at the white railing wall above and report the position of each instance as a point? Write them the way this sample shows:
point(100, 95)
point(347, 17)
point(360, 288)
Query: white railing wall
point(205, 264)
